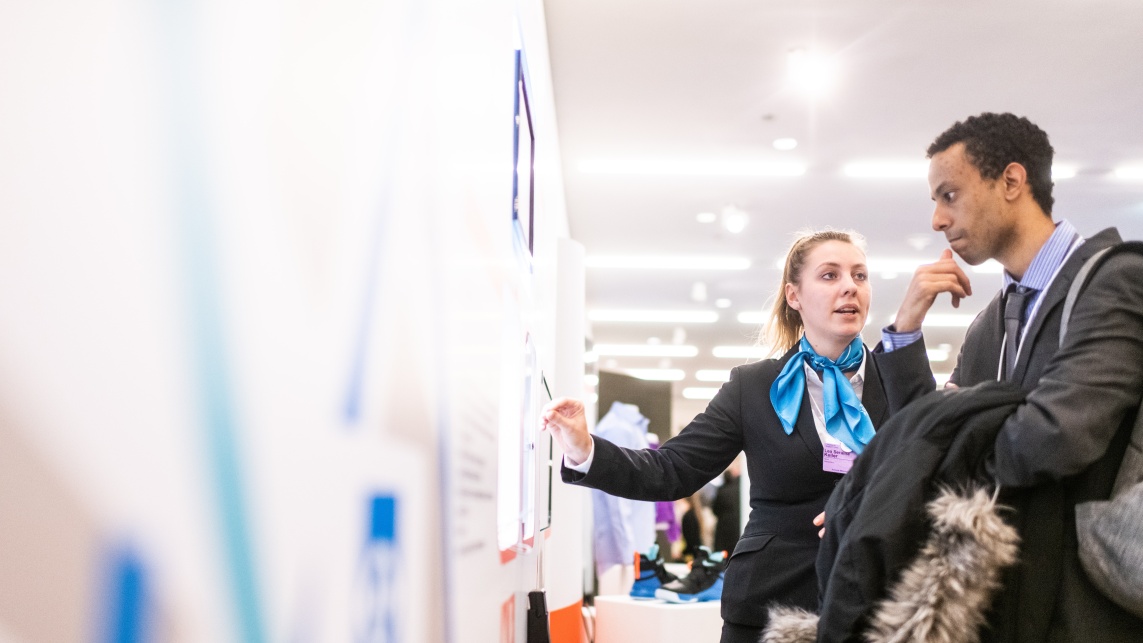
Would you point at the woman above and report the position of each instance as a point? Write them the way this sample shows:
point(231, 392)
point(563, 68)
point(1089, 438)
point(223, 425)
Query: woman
point(800, 419)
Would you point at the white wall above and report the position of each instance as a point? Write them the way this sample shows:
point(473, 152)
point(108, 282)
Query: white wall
point(254, 262)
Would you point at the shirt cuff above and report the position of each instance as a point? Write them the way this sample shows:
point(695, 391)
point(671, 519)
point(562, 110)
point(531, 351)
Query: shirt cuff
point(891, 340)
point(586, 464)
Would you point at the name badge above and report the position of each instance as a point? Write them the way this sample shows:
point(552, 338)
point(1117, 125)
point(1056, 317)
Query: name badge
point(836, 459)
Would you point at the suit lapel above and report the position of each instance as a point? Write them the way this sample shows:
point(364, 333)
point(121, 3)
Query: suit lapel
point(1055, 295)
point(804, 427)
point(807, 430)
point(872, 395)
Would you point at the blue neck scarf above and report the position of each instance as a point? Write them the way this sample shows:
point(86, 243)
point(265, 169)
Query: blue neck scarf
point(846, 419)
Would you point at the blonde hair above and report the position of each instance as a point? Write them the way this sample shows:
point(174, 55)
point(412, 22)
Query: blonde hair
point(784, 326)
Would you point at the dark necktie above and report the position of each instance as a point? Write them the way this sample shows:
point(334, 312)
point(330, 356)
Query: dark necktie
point(1015, 301)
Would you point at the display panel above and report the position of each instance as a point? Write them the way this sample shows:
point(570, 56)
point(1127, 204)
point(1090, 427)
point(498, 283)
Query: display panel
point(523, 210)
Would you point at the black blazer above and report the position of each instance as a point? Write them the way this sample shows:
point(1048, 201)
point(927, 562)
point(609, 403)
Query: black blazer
point(774, 560)
point(1064, 445)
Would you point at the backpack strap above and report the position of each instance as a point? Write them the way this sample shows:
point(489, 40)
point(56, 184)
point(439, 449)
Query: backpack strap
point(1085, 274)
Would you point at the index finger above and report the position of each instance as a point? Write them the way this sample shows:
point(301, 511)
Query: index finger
point(563, 406)
point(947, 264)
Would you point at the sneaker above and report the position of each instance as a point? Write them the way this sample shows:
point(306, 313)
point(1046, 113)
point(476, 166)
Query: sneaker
point(650, 574)
point(704, 583)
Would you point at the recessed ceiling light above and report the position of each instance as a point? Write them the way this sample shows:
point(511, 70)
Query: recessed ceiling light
point(668, 262)
point(707, 375)
point(684, 167)
point(740, 351)
point(657, 374)
point(734, 219)
point(810, 71)
point(722, 303)
point(785, 144)
point(698, 291)
point(887, 170)
point(654, 316)
point(706, 217)
point(590, 357)
point(646, 350)
point(700, 392)
point(591, 379)
point(752, 317)
point(1130, 172)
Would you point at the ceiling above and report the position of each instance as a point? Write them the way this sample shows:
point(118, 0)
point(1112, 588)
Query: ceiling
point(708, 81)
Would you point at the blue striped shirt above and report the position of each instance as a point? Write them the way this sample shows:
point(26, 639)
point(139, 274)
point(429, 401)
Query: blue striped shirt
point(1038, 276)
point(1044, 265)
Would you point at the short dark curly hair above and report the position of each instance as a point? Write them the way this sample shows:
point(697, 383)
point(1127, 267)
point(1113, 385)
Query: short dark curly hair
point(992, 141)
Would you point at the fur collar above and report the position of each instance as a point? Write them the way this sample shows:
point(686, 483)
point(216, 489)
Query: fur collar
point(943, 595)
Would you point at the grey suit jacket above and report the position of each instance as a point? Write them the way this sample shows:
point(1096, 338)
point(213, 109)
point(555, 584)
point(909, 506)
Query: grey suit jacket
point(1064, 444)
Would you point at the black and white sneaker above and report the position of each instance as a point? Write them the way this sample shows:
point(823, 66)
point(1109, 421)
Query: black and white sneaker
point(704, 583)
point(650, 574)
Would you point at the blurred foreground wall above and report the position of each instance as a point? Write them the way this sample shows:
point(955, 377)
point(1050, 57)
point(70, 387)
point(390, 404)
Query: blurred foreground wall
point(261, 297)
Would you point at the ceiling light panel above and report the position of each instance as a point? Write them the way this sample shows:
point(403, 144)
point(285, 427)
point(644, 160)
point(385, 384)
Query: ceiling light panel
point(654, 316)
point(646, 350)
point(810, 71)
point(667, 262)
point(1129, 172)
point(753, 318)
point(1063, 171)
point(887, 170)
point(700, 392)
point(785, 144)
point(657, 374)
point(712, 375)
point(741, 352)
point(696, 167)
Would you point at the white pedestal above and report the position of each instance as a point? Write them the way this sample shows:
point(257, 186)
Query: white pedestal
point(622, 619)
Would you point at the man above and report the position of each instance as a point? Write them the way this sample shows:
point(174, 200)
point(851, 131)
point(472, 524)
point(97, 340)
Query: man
point(990, 177)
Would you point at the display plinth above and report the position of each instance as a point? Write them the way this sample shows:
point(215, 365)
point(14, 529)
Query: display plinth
point(622, 619)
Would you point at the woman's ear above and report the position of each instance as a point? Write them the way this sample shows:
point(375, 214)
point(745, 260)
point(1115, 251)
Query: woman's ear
point(792, 297)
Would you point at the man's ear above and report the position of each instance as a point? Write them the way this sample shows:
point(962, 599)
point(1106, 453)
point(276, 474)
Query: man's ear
point(1015, 178)
point(792, 297)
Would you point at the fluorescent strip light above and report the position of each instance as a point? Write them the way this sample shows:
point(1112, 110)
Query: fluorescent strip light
point(654, 316)
point(657, 374)
point(887, 170)
point(937, 354)
point(785, 144)
point(706, 375)
point(1130, 172)
point(1063, 171)
point(944, 320)
point(682, 167)
point(700, 392)
point(668, 262)
point(740, 351)
point(646, 350)
point(752, 317)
